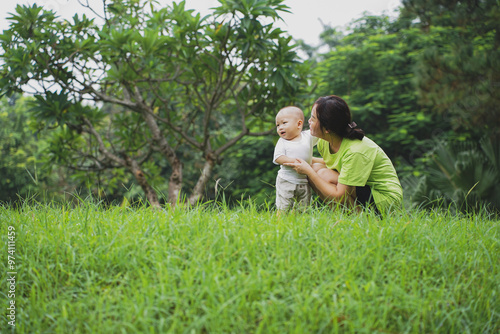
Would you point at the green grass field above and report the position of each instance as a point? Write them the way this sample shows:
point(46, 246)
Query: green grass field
point(243, 270)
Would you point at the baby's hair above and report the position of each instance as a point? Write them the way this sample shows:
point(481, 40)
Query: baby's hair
point(292, 109)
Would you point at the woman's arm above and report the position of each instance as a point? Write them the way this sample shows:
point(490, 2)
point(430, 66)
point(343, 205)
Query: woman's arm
point(324, 182)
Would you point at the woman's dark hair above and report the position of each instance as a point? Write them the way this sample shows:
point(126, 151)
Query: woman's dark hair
point(334, 115)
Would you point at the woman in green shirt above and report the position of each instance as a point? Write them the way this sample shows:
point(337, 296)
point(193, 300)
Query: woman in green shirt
point(353, 169)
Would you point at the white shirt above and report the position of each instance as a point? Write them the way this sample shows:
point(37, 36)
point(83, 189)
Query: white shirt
point(302, 148)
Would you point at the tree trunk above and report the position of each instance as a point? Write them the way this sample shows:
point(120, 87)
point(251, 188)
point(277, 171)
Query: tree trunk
point(197, 193)
point(175, 182)
point(126, 162)
point(150, 193)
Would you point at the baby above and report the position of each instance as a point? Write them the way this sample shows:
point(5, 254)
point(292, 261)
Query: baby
point(292, 187)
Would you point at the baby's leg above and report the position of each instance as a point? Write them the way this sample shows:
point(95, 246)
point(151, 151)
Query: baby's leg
point(284, 194)
point(303, 194)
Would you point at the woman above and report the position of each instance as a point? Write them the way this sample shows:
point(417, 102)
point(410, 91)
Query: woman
point(353, 169)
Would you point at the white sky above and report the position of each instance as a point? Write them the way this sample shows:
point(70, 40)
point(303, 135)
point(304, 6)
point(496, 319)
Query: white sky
point(302, 23)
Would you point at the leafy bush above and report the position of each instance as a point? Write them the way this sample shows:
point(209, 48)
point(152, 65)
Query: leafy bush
point(463, 175)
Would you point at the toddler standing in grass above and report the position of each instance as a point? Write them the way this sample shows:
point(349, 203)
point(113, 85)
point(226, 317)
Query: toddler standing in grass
point(292, 188)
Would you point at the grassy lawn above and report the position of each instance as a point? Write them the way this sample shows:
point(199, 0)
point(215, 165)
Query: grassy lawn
point(243, 270)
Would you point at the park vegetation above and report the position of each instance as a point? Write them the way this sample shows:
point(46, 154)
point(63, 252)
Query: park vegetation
point(137, 184)
point(243, 269)
point(160, 104)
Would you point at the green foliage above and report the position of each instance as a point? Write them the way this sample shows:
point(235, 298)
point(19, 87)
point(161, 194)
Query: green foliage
point(461, 175)
point(180, 96)
point(22, 158)
point(455, 75)
point(459, 68)
point(18, 151)
point(31, 171)
point(214, 270)
point(152, 89)
point(372, 68)
point(247, 172)
point(429, 75)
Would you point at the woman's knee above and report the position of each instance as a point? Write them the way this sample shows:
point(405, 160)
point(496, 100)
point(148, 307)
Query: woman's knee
point(317, 166)
point(328, 175)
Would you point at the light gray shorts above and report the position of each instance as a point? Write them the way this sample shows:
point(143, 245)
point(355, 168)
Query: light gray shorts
point(290, 195)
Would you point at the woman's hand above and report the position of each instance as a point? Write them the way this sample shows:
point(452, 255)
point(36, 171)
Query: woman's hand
point(300, 166)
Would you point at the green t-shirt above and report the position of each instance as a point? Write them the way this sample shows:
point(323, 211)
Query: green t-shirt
point(362, 162)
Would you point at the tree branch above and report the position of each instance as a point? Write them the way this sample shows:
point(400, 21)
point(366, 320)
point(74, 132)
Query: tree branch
point(177, 129)
point(106, 98)
point(259, 134)
point(93, 11)
point(102, 147)
point(231, 142)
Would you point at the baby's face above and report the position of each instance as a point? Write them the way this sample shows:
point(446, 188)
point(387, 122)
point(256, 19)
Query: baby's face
point(288, 125)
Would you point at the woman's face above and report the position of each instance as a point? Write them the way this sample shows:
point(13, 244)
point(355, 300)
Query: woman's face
point(314, 125)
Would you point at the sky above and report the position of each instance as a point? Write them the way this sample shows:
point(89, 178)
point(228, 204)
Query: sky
point(304, 21)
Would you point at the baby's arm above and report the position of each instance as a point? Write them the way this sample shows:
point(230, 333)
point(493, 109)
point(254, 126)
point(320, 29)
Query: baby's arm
point(282, 159)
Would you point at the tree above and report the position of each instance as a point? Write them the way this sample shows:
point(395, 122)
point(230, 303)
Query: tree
point(459, 69)
point(21, 165)
point(170, 80)
point(18, 149)
point(372, 66)
point(238, 181)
